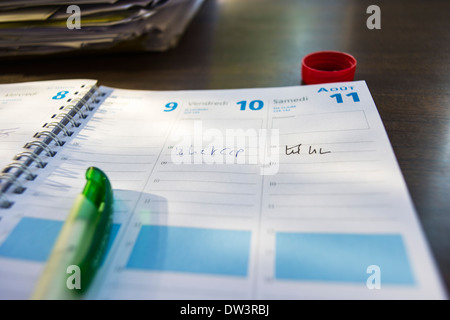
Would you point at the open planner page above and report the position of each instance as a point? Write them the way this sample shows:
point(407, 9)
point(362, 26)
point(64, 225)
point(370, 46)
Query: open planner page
point(26, 107)
point(274, 193)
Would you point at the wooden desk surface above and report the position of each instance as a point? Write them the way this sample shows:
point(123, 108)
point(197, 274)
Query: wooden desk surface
point(260, 43)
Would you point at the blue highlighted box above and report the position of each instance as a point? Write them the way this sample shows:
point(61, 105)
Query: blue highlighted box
point(33, 239)
point(194, 250)
point(341, 257)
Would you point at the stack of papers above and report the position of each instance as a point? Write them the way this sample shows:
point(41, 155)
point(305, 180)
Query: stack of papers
point(53, 26)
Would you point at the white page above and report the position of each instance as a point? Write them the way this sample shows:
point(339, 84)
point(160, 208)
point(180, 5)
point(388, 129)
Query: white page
point(352, 192)
point(25, 108)
point(324, 214)
point(108, 141)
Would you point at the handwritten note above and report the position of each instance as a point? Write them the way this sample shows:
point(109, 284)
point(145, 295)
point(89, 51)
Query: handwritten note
point(6, 133)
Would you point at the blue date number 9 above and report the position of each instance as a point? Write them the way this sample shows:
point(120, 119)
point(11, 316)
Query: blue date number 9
point(171, 106)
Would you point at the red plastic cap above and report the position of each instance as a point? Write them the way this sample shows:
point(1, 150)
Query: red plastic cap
point(328, 66)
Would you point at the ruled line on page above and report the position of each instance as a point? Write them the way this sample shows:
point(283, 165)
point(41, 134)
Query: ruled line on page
point(204, 191)
point(207, 203)
point(207, 181)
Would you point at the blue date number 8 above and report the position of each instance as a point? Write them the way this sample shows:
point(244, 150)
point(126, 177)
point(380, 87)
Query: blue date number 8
point(60, 95)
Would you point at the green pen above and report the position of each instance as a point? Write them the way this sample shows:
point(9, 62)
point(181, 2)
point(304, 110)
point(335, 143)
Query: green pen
point(81, 244)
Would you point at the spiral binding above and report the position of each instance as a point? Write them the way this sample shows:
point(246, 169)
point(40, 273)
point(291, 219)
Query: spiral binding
point(10, 176)
point(38, 160)
point(65, 131)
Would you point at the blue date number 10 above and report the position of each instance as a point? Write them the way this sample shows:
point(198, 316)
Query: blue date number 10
point(253, 105)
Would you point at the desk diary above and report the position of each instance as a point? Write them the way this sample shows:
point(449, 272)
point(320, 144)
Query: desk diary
point(262, 193)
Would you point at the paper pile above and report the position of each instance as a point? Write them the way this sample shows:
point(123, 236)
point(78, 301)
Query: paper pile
point(53, 26)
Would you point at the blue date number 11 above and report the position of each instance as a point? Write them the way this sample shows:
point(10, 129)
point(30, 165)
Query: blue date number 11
point(339, 99)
